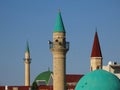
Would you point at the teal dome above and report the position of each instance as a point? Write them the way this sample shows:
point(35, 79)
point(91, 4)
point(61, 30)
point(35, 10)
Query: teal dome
point(44, 76)
point(98, 80)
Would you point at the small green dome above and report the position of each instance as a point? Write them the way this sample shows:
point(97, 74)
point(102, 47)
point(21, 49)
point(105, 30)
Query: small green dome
point(99, 80)
point(44, 76)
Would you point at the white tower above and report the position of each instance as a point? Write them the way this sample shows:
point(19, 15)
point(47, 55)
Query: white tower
point(27, 62)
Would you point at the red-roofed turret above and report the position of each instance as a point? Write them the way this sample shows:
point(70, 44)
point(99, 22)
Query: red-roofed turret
point(96, 50)
point(96, 55)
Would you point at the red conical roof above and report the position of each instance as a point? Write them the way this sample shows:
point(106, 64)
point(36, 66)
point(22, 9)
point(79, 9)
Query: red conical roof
point(96, 50)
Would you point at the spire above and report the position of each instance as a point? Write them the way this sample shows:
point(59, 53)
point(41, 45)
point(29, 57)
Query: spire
point(59, 26)
point(27, 48)
point(96, 50)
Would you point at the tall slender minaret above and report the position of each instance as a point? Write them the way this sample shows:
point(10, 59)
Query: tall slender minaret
point(59, 48)
point(27, 62)
point(96, 55)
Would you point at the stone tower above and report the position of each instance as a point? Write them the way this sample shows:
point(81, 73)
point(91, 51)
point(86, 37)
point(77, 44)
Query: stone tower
point(59, 48)
point(27, 62)
point(96, 55)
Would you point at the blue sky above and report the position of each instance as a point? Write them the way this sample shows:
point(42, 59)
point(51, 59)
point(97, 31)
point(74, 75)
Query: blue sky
point(34, 20)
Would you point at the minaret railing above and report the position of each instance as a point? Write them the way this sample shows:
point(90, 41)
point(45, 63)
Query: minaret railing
point(64, 45)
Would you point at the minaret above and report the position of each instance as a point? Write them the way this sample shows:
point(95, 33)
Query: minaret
point(96, 55)
point(59, 48)
point(27, 62)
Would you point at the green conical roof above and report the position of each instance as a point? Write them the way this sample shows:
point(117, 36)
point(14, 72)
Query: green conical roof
point(59, 26)
point(27, 48)
point(98, 80)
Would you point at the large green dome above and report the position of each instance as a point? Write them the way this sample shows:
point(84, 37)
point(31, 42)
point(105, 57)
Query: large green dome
point(99, 80)
point(44, 76)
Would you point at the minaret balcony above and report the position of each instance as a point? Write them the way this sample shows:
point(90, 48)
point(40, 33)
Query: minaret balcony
point(59, 45)
point(27, 60)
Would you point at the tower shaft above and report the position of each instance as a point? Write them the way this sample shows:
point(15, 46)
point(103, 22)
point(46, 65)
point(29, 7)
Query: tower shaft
point(27, 73)
point(59, 69)
point(96, 63)
point(59, 49)
point(27, 62)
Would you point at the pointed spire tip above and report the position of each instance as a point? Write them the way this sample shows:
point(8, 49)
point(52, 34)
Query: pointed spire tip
point(59, 27)
point(59, 10)
point(96, 29)
point(96, 50)
point(27, 48)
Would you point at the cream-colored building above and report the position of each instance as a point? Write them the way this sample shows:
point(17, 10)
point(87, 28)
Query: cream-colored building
point(113, 67)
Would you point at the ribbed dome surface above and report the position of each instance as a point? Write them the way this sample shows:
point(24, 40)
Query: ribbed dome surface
point(99, 80)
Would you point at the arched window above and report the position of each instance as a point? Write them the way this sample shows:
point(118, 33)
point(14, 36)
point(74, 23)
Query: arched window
point(91, 68)
point(97, 67)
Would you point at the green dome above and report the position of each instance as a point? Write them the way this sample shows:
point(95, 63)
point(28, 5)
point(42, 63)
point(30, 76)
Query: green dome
point(99, 80)
point(44, 76)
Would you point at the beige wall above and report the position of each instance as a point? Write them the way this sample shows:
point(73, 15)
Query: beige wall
point(59, 60)
point(95, 63)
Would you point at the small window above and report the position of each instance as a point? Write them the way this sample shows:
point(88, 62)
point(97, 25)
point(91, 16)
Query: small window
point(91, 68)
point(56, 40)
point(97, 67)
